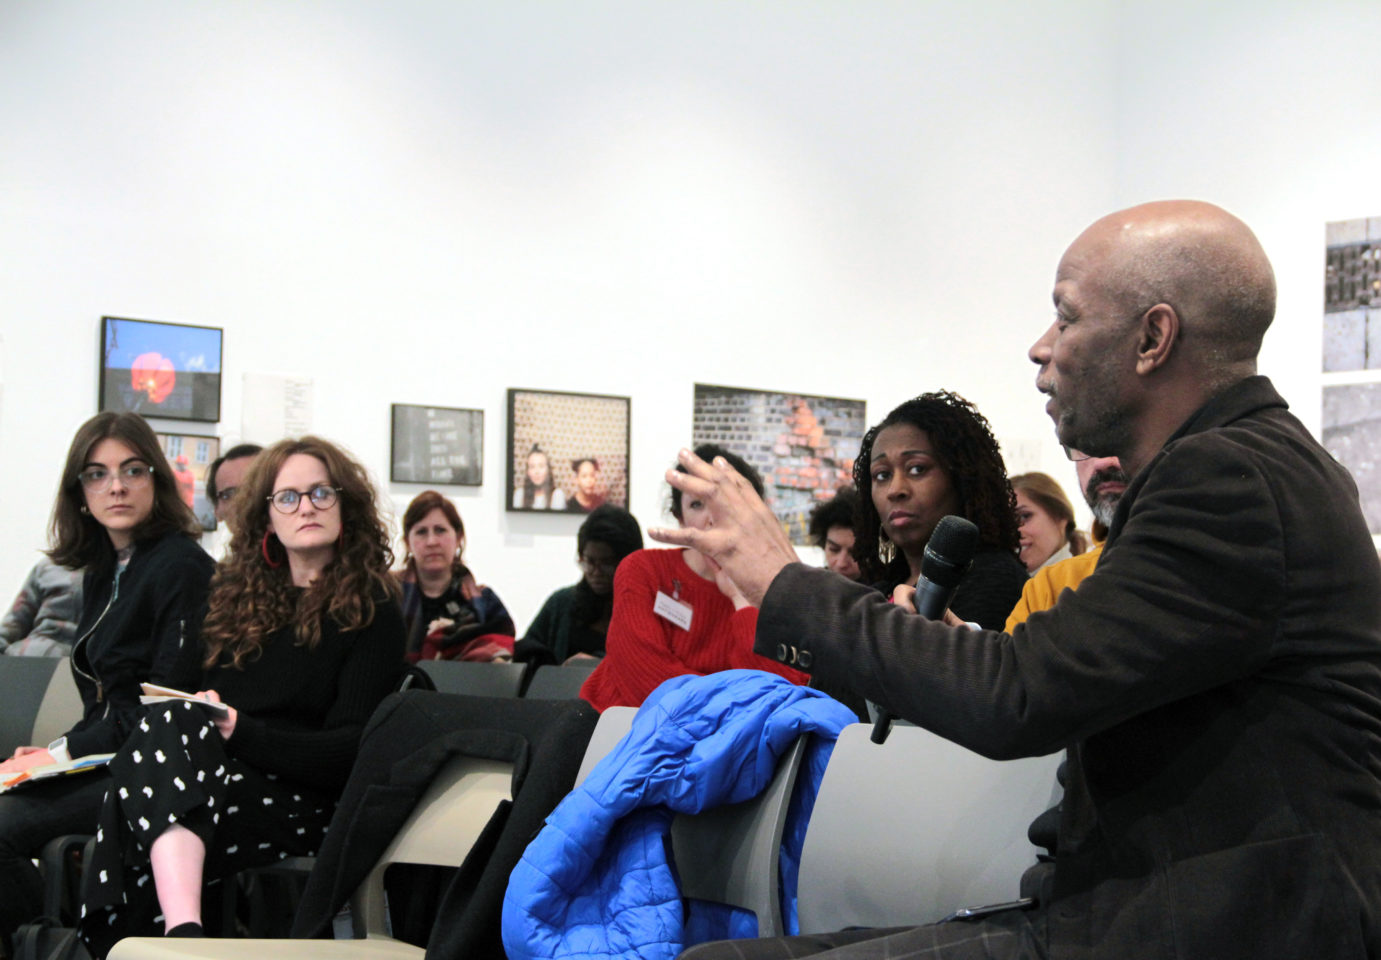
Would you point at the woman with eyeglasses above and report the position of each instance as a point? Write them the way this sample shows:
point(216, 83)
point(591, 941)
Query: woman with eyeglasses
point(119, 518)
point(303, 639)
point(449, 616)
point(573, 622)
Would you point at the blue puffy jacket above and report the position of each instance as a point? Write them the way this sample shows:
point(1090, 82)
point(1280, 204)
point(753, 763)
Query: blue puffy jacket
point(595, 883)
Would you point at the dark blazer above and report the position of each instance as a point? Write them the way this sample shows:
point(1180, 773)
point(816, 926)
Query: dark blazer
point(1217, 682)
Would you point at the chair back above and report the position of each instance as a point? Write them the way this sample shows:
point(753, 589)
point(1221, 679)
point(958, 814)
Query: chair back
point(559, 682)
point(729, 854)
point(908, 831)
point(441, 829)
point(732, 854)
point(23, 683)
point(61, 706)
point(475, 679)
point(614, 723)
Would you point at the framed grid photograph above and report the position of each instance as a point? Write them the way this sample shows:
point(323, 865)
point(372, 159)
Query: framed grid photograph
point(804, 446)
point(170, 370)
point(190, 455)
point(437, 445)
point(567, 452)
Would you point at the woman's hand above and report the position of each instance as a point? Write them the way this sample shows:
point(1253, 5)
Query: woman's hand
point(440, 624)
point(26, 757)
point(469, 589)
point(904, 596)
point(224, 725)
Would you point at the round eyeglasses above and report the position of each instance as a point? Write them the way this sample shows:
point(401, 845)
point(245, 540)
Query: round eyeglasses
point(287, 501)
point(1073, 454)
point(98, 479)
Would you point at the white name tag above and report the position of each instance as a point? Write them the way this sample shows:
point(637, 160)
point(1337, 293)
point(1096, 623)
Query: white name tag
point(674, 610)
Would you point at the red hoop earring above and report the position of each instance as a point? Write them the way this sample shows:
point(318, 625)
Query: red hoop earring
point(264, 549)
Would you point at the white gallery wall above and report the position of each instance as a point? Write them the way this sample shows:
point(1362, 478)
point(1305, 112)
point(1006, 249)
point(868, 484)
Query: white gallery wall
point(430, 202)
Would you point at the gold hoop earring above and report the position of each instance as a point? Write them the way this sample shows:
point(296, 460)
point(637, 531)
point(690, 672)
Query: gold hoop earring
point(887, 550)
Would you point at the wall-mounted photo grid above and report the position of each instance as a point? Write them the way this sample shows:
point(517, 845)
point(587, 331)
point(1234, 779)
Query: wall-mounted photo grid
point(567, 452)
point(803, 446)
point(1352, 356)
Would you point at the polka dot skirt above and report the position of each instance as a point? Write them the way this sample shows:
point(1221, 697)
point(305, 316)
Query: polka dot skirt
point(174, 769)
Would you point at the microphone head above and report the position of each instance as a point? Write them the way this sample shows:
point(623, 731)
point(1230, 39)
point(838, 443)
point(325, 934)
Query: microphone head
point(949, 551)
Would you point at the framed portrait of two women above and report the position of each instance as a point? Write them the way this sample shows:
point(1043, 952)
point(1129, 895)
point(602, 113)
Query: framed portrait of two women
point(567, 452)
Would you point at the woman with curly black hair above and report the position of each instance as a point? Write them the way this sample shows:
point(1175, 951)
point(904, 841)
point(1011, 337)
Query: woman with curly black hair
point(303, 638)
point(930, 457)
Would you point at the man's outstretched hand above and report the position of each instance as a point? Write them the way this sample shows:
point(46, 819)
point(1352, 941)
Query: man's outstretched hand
point(743, 538)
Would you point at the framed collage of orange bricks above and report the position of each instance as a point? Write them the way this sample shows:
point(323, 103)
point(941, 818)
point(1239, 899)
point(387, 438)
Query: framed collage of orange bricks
point(804, 446)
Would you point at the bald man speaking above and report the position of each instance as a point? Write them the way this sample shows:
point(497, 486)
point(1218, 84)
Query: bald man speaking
point(1217, 679)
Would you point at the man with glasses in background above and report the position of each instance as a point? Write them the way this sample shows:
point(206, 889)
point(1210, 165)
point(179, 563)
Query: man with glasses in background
point(224, 477)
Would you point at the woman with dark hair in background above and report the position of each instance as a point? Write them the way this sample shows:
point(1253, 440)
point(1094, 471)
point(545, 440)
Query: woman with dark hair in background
point(538, 489)
point(832, 530)
point(676, 614)
point(587, 495)
point(118, 517)
point(1045, 519)
point(449, 616)
point(303, 639)
point(574, 621)
point(930, 457)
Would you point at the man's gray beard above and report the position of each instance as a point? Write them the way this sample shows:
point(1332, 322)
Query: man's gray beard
point(1103, 508)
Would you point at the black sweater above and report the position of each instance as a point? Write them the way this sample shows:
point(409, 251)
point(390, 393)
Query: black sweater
point(301, 711)
point(990, 589)
point(146, 630)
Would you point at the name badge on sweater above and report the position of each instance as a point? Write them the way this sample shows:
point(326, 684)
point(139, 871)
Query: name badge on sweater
point(674, 610)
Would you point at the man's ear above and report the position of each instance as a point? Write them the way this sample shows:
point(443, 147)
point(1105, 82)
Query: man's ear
point(1159, 332)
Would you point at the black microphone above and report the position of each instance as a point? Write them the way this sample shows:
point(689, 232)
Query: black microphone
point(948, 556)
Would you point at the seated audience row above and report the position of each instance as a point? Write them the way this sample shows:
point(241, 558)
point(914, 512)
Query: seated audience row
point(302, 638)
point(304, 634)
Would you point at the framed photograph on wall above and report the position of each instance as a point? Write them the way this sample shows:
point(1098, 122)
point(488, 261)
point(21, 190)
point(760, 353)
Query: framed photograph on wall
point(567, 452)
point(804, 446)
point(190, 455)
point(170, 370)
point(437, 445)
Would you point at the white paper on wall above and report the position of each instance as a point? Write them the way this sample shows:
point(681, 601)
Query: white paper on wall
point(276, 406)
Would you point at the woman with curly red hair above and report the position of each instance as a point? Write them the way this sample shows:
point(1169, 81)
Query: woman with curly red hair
point(303, 638)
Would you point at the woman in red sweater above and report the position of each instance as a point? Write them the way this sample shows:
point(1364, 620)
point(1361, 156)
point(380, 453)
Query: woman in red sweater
point(676, 614)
